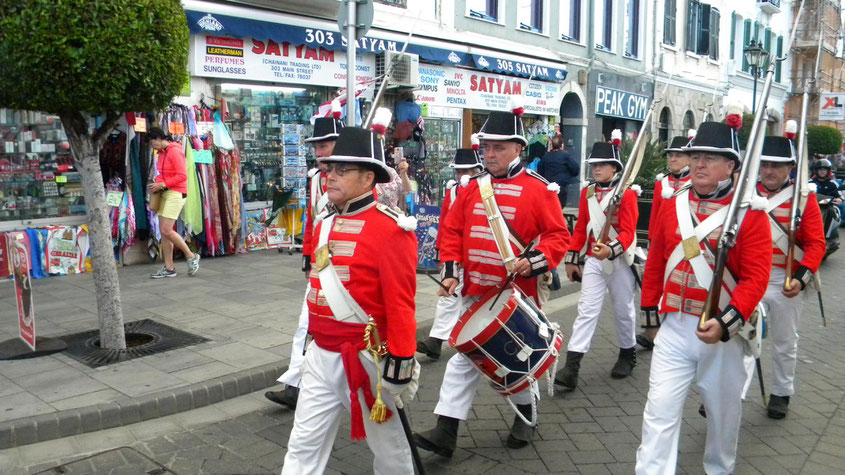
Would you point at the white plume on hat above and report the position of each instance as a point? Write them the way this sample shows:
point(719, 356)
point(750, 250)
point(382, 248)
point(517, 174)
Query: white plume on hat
point(516, 104)
point(381, 120)
point(337, 109)
point(691, 133)
point(616, 137)
point(791, 129)
point(474, 141)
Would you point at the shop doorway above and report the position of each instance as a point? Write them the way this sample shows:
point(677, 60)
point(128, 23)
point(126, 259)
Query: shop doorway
point(572, 131)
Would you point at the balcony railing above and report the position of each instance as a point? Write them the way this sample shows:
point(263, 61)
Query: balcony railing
point(769, 6)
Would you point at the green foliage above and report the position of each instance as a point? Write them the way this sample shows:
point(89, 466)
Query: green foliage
point(823, 140)
point(654, 161)
point(745, 130)
point(62, 56)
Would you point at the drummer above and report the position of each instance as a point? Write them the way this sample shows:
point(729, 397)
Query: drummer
point(532, 210)
point(467, 163)
point(606, 265)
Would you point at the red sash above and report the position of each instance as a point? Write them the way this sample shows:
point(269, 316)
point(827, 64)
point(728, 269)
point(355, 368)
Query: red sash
point(347, 339)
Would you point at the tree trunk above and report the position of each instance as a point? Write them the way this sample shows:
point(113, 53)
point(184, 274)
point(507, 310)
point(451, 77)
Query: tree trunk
point(85, 148)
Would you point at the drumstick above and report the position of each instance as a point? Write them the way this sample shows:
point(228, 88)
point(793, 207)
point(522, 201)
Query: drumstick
point(441, 285)
point(511, 276)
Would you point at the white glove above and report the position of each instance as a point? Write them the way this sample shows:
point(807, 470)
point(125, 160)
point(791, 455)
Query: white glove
point(405, 391)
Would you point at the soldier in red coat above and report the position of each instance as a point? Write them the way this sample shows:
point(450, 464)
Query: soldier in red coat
point(784, 304)
point(467, 164)
point(361, 297)
point(677, 161)
point(531, 210)
point(676, 281)
point(326, 130)
point(607, 265)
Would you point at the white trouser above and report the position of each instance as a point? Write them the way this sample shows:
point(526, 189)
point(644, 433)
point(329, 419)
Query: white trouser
point(447, 312)
point(293, 375)
point(324, 393)
point(594, 283)
point(782, 317)
point(680, 358)
point(460, 382)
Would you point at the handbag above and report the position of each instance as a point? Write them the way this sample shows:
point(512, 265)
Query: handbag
point(155, 201)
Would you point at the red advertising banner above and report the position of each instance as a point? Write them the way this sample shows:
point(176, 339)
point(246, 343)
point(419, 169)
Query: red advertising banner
point(19, 258)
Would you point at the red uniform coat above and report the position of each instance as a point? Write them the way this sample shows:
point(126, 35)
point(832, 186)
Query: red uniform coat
point(749, 260)
point(624, 222)
point(444, 210)
point(381, 278)
point(531, 211)
point(675, 182)
point(307, 235)
point(809, 236)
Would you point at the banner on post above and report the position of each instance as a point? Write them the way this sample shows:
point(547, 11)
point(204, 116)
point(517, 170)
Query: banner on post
point(19, 258)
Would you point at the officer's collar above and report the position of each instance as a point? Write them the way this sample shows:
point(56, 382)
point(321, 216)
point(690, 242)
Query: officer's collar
point(358, 204)
point(514, 167)
point(723, 189)
point(681, 174)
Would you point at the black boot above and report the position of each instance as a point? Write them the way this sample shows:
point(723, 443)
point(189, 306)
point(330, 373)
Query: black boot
point(645, 342)
point(778, 406)
point(442, 440)
point(430, 347)
point(568, 375)
point(521, 433)
point(286, 397)
point(625, 363)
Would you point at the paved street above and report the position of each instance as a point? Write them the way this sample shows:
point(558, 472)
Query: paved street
point(594, 429)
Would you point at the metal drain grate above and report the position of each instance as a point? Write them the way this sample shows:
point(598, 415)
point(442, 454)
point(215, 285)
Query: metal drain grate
point(119, 460)
point(143, 337)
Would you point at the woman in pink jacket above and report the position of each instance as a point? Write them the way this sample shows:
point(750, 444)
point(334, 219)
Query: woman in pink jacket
point(172, 182)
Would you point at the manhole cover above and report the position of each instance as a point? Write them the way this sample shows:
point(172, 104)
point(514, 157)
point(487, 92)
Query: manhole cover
point(119, 460)
point(143, 337)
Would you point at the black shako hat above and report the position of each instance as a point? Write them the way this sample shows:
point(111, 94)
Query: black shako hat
point(506, 126)
point(325, 128)
point(361, 146)
point(604, 152)
point(777, 149)
point(678, 143)
point(466, 158)
point(718, 138)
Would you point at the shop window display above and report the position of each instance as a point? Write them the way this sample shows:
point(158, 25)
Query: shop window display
point(269, 125)
point(37, 177)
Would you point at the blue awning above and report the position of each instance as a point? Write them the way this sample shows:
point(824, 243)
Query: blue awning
point(203, 22)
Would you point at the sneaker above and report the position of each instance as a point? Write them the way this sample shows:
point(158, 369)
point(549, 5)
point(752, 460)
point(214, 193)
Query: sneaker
point(163, 273)
point(193, 264)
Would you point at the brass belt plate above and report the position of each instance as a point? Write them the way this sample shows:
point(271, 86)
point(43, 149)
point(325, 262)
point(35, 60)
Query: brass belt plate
point(321, 255)
point(691, 248)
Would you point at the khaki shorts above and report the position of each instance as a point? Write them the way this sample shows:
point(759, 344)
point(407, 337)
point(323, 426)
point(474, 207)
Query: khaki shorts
point(171, 204)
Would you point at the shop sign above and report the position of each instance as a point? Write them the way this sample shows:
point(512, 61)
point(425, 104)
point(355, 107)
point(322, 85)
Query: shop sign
point(266, 60)
point(469, 89)
point(200, 22)
point(616, 103)
point(23, 291)
point(832, 107)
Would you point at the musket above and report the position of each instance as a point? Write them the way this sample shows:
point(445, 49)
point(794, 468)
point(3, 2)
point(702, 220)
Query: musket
point(801, 187)
point(746, 188)
point(629, 173)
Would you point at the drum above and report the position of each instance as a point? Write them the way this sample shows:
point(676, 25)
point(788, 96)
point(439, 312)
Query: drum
point(512, 344)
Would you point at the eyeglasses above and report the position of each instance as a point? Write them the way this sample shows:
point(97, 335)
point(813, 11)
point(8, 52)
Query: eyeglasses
point(340, 169)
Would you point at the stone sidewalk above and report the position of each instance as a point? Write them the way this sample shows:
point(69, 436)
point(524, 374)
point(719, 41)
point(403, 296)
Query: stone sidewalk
point(592, 430)
point(247, 306)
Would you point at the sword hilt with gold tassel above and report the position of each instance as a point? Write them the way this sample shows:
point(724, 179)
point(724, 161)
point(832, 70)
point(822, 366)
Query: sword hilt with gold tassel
point(378, 413)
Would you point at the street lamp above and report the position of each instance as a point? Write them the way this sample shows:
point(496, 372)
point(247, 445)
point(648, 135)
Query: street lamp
point(757, 58)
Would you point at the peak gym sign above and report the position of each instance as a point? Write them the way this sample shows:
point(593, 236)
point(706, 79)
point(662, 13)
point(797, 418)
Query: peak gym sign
point(616, 103)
